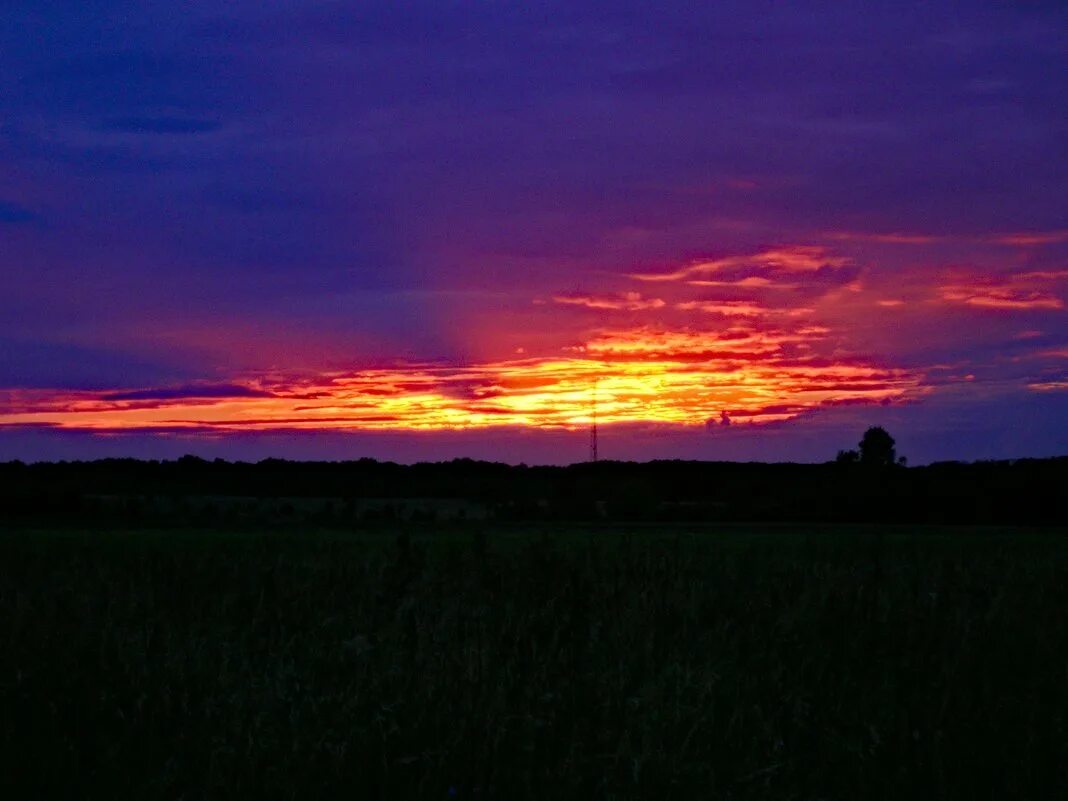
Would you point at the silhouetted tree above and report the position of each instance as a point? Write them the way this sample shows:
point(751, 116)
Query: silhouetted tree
point(877, 447)
point(847, 457)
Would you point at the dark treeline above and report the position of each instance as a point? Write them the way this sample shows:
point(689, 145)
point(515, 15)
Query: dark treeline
point(193, 490)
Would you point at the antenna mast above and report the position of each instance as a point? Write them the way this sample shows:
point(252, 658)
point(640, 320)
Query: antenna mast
point(593, 424)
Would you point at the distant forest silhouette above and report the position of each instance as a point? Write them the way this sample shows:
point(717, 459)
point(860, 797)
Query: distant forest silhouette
point(871, 484)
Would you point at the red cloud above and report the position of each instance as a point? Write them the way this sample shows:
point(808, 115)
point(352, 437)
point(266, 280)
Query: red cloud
point(1013, 239)
point(894, 238)
point(1029, 238)
point(789, 259)
point(1017, 292)
point(990, 297)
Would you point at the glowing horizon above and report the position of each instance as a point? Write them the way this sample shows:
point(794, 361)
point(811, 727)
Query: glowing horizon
point(758, 345)
point(673, 379)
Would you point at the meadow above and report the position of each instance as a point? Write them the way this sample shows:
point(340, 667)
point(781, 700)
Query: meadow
point(536, 662)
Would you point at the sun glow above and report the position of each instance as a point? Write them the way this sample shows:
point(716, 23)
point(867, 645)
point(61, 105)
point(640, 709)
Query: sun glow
point(752, 338)
point(643, 376)
point(741, 356)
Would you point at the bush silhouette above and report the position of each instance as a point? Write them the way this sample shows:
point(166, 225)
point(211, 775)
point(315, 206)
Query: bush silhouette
point(847, 457)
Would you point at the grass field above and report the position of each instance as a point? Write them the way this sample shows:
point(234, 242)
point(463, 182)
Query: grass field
point(535, 664)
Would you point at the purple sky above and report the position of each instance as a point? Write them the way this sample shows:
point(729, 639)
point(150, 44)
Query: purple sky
point(219, 209)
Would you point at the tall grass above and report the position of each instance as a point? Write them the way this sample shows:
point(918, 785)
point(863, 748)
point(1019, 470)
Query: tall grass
point(541, 665)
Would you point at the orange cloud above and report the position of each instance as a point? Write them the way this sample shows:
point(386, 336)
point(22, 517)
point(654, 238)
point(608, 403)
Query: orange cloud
point(1048, 386)
point(628, 301)
point(786, 259)
point(644, 375)
point(750, 282)
point(726, 308)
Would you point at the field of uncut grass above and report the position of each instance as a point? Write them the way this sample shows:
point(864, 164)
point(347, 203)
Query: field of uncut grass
point(535, 664)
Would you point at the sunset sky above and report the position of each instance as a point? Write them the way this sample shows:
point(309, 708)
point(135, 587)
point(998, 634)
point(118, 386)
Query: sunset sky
point(438, 229)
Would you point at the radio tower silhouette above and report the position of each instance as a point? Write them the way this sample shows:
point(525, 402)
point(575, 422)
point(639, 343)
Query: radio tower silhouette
point(593, 424)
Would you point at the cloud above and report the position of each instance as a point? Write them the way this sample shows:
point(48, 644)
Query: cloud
point(189, 391)
point(999, 298)
point(747, 282)
point(1013, 292)
point(14, 213)
point(1049, 386)
point(1020, 292)
point(643, 375)
point(893, 238)
point(1031, 238)
point(726, 308)
point(1040, 275)
point(791, 259)
point(1021, 239)
point(627, 301)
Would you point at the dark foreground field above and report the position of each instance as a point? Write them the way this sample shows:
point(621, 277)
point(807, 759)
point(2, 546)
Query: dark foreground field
point(787, 664)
